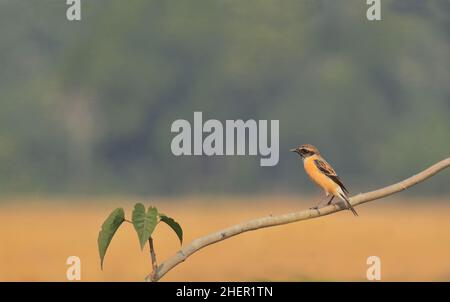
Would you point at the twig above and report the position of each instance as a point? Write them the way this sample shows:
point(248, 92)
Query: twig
point(151, 276)
point(269, 221)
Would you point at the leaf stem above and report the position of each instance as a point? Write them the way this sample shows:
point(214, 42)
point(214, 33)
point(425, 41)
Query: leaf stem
point(151, 276)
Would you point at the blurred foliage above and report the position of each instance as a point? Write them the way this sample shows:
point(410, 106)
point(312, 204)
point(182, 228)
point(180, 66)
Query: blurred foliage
point(87, 106)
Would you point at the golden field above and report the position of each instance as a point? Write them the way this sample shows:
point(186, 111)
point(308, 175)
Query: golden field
point(412, 238)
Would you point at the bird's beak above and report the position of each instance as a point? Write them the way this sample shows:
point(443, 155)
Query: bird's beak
point(294, 150)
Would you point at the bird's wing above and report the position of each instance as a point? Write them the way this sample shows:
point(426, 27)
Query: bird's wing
point(328, 170)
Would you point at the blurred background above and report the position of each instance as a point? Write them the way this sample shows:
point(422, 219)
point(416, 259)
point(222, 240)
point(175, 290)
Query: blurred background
point(86, 110)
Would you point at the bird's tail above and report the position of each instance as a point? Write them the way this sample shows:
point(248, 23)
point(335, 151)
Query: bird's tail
point(347, 202)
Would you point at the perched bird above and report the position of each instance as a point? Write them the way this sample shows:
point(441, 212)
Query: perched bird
point(323, 174)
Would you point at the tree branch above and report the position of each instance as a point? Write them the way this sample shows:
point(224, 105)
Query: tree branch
point(270, 221)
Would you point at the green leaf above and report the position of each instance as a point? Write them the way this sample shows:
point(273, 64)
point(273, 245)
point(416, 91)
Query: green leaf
point(144, 222)
point(174, 225)
point(109, 228)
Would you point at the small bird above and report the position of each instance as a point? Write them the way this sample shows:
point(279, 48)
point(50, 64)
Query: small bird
point(323, 174)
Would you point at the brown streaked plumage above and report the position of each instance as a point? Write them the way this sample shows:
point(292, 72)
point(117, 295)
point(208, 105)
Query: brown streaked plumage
point(323, 174)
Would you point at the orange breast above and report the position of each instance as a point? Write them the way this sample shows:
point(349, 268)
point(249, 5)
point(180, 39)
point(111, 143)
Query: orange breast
point(318, 177)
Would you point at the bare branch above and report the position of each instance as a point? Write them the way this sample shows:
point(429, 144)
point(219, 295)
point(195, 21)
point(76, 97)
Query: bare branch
point(270, 221)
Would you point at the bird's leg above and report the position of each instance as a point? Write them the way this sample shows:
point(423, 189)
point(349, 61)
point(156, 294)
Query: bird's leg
point(329, 202)
point(321, 202)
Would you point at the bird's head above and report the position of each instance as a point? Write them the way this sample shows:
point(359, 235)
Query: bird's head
point(306, 151)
